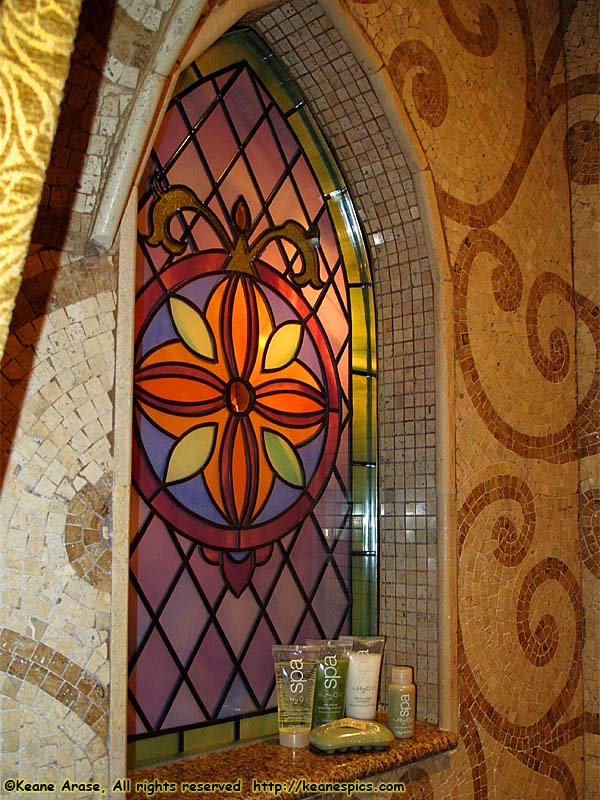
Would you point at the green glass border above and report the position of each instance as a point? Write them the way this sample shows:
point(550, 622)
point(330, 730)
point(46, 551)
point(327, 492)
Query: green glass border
point(364, 508)
point(152, 750)
point(196, 740)
point(364, 420)
point(354, 253)
point(261, 725)
point(364, 602)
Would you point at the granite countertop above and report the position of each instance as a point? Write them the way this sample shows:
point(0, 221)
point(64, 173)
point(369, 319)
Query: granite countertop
point(265, 770)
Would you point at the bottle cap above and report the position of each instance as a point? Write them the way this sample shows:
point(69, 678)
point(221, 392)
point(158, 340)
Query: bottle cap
point(402, 675)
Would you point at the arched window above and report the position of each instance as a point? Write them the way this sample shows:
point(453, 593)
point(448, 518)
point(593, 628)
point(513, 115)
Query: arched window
point(254, 468)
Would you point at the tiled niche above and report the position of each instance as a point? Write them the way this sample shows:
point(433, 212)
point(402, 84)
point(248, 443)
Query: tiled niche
point(351, 117)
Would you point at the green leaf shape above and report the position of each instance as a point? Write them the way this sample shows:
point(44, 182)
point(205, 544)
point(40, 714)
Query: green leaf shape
point(191, 453)
point(192, 328)
point(283, 346)
point(284, 459)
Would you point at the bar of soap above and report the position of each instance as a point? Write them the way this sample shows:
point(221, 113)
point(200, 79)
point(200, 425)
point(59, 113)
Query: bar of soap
point(350, 735)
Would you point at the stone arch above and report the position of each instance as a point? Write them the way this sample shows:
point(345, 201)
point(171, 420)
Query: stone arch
point(129, 159)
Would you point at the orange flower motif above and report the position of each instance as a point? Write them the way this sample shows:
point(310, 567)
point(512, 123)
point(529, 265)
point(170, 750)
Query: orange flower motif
point(234, 396)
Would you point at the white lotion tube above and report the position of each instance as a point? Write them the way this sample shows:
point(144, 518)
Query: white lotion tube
point(362, 684)
point(295, 677)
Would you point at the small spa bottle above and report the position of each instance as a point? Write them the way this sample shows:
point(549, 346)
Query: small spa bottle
point(401, 703)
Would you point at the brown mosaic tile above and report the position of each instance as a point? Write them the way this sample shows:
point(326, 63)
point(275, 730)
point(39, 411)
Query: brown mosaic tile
point(482, 42)
point(582, 152)
point(51, 683)
point(590, 530)
point(429, 87)
point(512, 544)
point(72, 685)
point(540, 645)
point(87, 548)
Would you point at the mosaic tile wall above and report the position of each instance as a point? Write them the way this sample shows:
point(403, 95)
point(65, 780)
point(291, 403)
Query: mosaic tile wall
point(485, 90)
point(484, 86)
point(57, 378)
point(582, 48)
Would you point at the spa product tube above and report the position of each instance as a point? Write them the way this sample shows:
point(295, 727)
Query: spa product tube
point(330, 690)
point(295, 677)
point(362, 685)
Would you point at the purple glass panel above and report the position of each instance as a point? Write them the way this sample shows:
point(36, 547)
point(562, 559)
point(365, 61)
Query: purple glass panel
point(187, 164)
point(329, 252)
point(237, 700)
point(172, 132)
point(310, 630)
point(210, 597)
point(204, 573)
point(265, 160)
point(272, 255)
point(332, 510)
point(331, 602)
point(308, 552)
point(239, 182)
point(217, 142)
point(157, 548)
point(184, 710)
point(184, 637)
point(212, 661)
point(285, 606)
point(243, 105)
point(263, 579)
point(285, 205)
point(140, 621)
point(311, 195)
point(258, 673)
point(236, 616)
point(152, 678)
point(284, 136)
point(196, 103)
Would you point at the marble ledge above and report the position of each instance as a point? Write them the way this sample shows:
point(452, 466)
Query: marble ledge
point(261, 765)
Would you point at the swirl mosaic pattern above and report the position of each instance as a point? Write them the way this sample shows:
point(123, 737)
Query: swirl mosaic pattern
point(527, 404)
point(590, 530)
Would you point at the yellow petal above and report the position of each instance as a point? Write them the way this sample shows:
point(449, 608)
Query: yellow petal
point(283, 345)
point(283, 459)
point(191, 453)
point(191, 326)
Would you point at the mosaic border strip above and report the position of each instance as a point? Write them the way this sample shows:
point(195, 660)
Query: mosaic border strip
point(58, 676)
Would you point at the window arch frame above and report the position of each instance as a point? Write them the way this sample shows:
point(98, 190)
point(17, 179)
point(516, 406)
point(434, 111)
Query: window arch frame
point(129, 158)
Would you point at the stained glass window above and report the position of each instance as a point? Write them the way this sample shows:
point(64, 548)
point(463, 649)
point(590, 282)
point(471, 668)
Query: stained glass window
point(254, 457)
